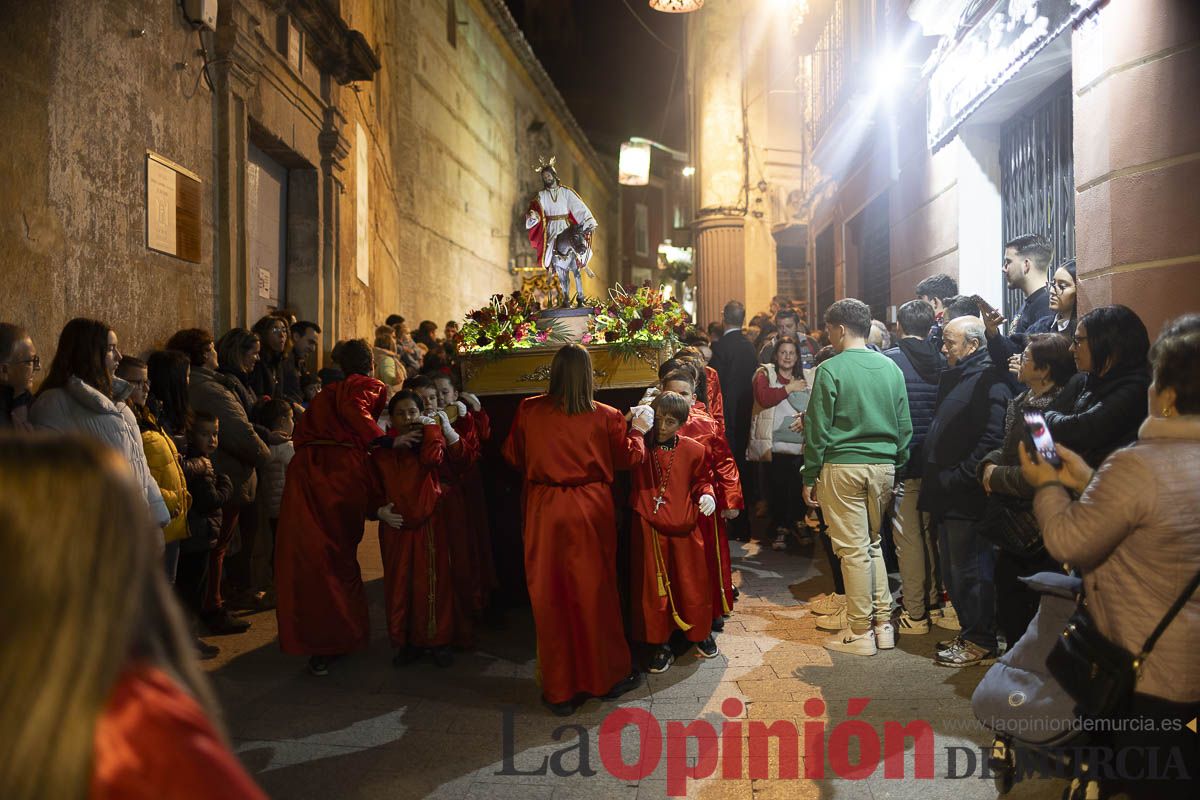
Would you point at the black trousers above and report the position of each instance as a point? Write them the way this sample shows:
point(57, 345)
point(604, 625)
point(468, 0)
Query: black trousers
point(784, 489)
point(1016, 603)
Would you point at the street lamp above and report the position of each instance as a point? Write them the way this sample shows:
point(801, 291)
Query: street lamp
point(634, 165)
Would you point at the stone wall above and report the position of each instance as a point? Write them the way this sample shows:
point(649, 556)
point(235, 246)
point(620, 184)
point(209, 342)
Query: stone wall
point(83, 98)
point(452, 125)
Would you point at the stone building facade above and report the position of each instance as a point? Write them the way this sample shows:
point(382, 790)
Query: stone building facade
point(943, 129)
point(356, 158)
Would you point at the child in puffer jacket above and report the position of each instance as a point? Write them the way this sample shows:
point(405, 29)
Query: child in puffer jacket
point(210, 491)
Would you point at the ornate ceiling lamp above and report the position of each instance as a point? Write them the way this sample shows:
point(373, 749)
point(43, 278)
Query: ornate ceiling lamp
point(676, 6)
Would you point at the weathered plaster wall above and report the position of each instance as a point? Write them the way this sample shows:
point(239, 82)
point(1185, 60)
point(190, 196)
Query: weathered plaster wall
point(82, 100)
point(452, 132)
point(451, 152)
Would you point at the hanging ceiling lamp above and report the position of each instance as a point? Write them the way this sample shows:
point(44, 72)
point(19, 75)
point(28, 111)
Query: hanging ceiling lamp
point(676, 6)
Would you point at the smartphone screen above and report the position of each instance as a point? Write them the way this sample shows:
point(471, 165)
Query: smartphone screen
point(1039, 434)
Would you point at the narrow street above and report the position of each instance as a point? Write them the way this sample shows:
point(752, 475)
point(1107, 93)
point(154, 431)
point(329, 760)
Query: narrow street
point(369, 730)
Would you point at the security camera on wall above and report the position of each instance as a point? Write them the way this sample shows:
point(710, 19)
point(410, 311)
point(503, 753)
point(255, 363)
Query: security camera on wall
point(201, 13)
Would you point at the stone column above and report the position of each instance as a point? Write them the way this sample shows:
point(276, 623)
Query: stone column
point(1137, 158)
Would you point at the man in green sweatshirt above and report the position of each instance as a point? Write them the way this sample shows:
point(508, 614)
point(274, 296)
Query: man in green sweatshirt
point(857, 429)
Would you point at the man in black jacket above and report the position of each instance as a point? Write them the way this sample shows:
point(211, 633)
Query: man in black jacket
point(916, 551)
point(972, 399)
point(735, 360)
point(1027, 267)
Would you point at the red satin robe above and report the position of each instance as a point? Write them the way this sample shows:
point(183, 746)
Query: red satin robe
point(716, 402)
point(669, 572)
point(329, 492)
point(454, 517)
point(154, 741)
point(571, 541)
point(477, 512)
point(418, 596)
point(723, 473)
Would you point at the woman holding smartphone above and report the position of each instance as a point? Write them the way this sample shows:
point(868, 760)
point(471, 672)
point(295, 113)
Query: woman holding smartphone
point(1046, 368)
point(1134, 532)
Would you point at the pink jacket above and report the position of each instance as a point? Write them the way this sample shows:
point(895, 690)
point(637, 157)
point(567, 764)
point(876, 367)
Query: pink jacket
point(1135, 535)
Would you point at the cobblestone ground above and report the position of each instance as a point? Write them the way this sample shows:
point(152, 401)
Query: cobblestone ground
point(369, 730)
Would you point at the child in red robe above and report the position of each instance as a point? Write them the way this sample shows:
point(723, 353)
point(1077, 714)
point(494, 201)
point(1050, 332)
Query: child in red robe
point(475, 574)
point(669, 570)
point(724, 477)
point(416, 555)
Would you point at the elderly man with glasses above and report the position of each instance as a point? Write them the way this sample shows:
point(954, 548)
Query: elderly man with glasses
point(19, 362)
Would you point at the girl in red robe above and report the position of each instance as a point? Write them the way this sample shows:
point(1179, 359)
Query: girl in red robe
point(724, 476)
point(418, 594)
point(102, 695)
point(669, 571)
point(567, 447)
point(329, 492)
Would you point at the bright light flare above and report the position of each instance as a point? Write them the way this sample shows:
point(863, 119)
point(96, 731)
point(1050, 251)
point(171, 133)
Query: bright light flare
point(688, 171)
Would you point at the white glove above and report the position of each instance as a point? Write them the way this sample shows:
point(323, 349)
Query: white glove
point(425, 420)
point(447, 429)
point(707, 505)
point(643, 418)
point(462, 408)
point(649, 395)
point(472, 401)
point(390, 517)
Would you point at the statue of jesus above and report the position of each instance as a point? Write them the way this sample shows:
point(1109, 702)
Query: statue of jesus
point(551, 211)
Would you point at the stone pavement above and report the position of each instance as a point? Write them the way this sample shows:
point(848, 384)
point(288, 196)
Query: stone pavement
point(369, 730)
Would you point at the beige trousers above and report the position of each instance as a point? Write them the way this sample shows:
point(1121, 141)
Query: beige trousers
point(916, 550)
point(854, 499)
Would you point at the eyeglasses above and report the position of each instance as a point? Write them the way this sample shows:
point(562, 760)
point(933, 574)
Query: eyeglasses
point(35, 362)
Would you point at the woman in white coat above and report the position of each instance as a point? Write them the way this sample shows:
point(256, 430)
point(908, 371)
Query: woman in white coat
point(81, 394)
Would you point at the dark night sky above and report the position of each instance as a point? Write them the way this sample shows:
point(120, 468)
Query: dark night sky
point(615, 77)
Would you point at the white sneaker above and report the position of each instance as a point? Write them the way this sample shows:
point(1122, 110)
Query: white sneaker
point(825, 604)
point(833, 622)
point(947, 618)
point(856, 644)
point(908, 625)
point(885, 636)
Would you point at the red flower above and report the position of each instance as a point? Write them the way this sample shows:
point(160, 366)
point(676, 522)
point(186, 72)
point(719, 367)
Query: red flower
point(610, 336)
point(482, 340)
point(635, 325)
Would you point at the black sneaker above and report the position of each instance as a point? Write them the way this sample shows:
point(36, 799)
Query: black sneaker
point(625, 685)
point(718, 625)
point(662, 660)
point(206, 651)
point(319, 666)
point(736, 593)
point(708, 648)
point(222, 623)
point(443, 656)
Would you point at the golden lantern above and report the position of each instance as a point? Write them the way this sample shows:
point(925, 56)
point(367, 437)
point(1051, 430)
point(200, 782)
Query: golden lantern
point(676, 6)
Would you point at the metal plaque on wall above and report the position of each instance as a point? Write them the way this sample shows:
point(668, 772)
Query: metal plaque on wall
point(173, 211)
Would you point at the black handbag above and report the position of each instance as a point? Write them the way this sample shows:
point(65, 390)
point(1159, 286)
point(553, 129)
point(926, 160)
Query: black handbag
point(1098, 673)
point(1008, 522)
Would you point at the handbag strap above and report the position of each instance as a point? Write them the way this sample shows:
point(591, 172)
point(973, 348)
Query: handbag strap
point(1162, 626)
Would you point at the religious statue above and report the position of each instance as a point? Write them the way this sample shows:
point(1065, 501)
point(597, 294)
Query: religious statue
point(560, 228)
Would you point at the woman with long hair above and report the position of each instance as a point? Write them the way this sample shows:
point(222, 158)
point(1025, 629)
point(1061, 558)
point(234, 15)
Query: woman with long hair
point(567, 448)
point(780, 392)
point(1110, 345)
point(267, 374)
point(100, 693)
point(79, 393)
point(322, 605)
point(169, 372)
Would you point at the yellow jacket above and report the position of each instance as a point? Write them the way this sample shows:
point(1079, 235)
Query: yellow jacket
point(163, 459)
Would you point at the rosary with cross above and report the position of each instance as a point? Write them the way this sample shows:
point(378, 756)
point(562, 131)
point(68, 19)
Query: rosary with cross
point(666, 476)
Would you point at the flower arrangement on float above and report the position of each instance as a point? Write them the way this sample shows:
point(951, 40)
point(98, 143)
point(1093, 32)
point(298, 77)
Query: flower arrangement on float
point(505, 323)
point(630, 321)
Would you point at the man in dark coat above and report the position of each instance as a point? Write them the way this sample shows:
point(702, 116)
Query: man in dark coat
point(972, 400)
point(916, 549)
point(735, 360)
